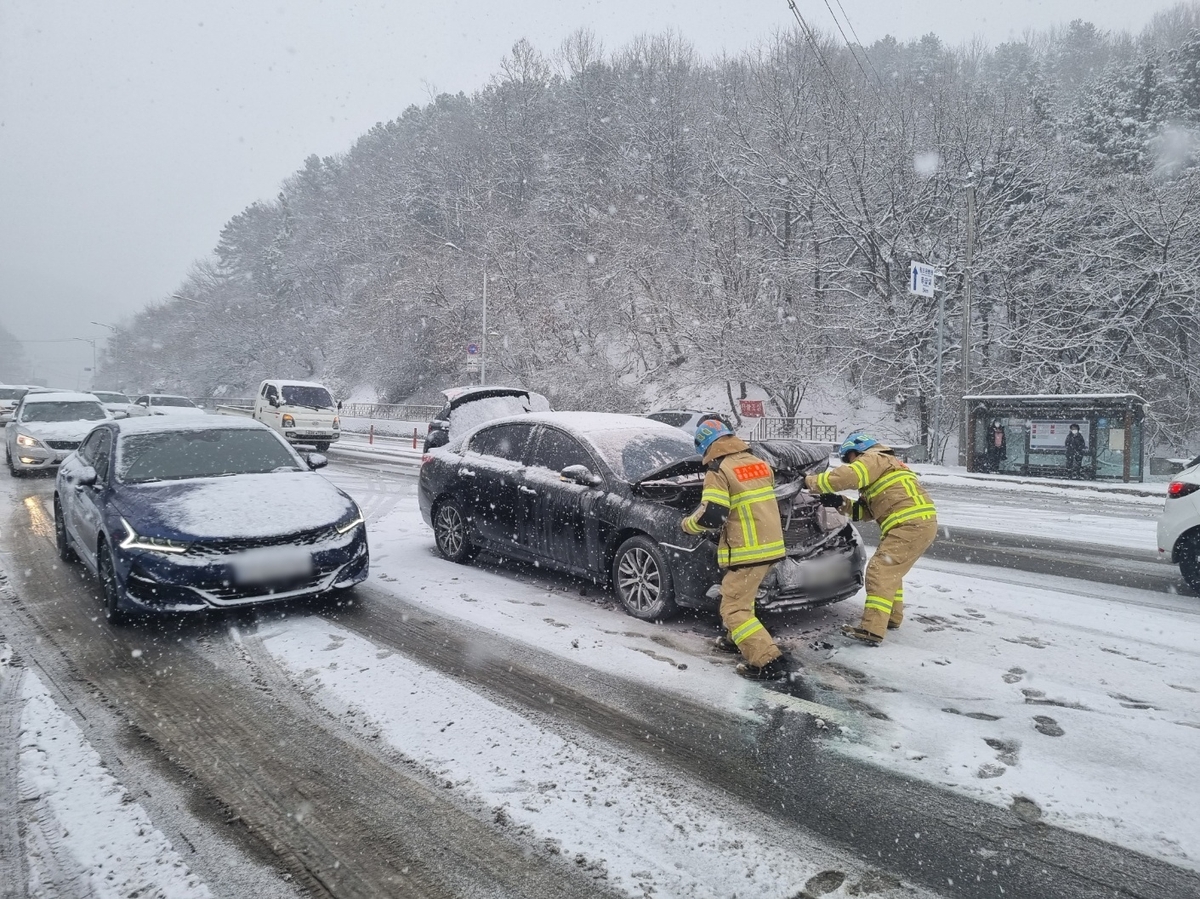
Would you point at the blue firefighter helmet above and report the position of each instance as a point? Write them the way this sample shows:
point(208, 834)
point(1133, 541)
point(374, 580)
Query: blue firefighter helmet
point(858, 442)
point(708, 431)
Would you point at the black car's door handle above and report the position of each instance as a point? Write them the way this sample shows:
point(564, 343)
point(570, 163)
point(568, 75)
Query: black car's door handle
point(528, 491)
point(466, 472)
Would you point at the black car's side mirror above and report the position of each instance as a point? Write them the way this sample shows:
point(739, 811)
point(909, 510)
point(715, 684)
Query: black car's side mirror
point(87, 477)
point(339, 405)
point(315, 461)
point(581, 474)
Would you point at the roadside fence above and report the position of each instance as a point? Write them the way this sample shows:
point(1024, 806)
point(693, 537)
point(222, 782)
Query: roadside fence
point(805, 429)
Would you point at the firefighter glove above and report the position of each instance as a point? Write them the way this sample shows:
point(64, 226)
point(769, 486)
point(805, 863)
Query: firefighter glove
point(831, 500)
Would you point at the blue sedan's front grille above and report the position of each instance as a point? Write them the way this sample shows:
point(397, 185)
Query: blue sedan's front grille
point(228, 547)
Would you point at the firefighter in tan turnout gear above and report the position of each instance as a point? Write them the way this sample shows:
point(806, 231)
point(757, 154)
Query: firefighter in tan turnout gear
point(739, 501)
point(889, 493)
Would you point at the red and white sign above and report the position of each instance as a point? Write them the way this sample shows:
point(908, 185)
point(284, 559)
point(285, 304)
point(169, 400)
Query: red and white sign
point(752, 408)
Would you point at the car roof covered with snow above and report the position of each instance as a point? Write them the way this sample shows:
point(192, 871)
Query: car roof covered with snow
point(64, 396)
point(287, 382)
point(160, 424)
point(457, 395)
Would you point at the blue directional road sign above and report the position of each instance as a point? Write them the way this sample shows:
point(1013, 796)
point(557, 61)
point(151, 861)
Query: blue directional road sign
point(472, 349)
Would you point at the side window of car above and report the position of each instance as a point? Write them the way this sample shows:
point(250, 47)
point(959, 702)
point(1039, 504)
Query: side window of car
point(143, 401)
point(103, 453)
point(503, 442)
point(263, 392)
point(557, 450)
point(87, 450)
point(272, 393)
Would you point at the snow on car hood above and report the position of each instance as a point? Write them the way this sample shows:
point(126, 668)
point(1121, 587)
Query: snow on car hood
point(245, 505)
point(59, 430)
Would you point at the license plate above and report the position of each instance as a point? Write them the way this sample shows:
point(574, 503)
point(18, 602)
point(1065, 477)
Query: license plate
point(272, 564)
point(823, 572)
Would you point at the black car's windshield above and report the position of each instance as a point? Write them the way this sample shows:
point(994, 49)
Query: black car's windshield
point(316, 397)
point(105, 397)
point(12, 393)
point(179, 401)
point(66, 411)
point(200, 454)
point(633, 454)
point(674, 419)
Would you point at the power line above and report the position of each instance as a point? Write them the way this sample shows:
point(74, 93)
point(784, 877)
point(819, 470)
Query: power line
point(851, 48)
point(857, 41)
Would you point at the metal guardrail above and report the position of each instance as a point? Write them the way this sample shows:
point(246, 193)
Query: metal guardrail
point(390, 411)
point(805, 429)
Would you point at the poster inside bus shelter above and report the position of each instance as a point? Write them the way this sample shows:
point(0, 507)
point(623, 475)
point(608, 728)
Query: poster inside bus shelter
point(1053, 434)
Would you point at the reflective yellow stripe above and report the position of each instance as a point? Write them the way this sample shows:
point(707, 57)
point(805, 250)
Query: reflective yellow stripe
point(692, 527)
point(913, 513)
point(878, 602)
point(860, 469)
point(742, 555)
point(823, 485)
point(887, 481)
point(738, 636)
point(758, 495)
point(715, 495)
point(900, 594)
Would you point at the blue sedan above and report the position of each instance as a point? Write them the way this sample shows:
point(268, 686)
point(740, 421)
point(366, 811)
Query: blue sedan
point(176, 515)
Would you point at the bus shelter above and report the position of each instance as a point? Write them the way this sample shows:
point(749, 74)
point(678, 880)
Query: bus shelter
point(1028, 435)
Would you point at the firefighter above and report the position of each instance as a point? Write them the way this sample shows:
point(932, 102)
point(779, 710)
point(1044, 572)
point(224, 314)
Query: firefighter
point(739, 502)
point(889, 493)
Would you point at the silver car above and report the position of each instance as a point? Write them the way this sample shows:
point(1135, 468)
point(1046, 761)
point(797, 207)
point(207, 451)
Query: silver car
point(48, 427)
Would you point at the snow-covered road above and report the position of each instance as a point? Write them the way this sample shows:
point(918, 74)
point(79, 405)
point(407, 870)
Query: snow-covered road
point(530, 703)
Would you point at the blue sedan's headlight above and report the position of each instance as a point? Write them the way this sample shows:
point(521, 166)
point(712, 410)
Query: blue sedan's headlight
point(154, 544)
point(351, 523)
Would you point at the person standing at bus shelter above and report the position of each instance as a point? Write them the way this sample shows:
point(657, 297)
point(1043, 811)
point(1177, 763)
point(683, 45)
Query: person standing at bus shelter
point(1076, 446)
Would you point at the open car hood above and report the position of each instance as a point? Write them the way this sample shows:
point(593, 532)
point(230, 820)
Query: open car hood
point(685, 468)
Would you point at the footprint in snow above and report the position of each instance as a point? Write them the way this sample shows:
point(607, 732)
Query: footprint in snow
point(1035, 642)
point(825, 882)
point(987, 771)
point(1006, 750)
point(1013, 676)
point(1044, 724)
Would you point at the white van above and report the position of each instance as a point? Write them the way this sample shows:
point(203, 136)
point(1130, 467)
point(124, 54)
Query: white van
point(301, 411)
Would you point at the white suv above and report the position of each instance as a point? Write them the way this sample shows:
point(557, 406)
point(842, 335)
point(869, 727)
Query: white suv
point(1179, 525)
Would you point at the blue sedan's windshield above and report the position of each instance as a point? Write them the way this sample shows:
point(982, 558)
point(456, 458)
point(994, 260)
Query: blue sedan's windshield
point(200, 454)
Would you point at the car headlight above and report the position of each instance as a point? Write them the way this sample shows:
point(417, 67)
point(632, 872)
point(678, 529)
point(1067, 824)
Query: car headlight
point(288, 421)
point(154, 544)
point(352, 523)
point(26, 440)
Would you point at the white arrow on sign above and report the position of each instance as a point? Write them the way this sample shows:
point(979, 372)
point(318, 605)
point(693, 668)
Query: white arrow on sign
point(920, 279)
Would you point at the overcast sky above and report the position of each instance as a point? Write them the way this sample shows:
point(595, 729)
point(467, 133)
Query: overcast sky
point(130, 132)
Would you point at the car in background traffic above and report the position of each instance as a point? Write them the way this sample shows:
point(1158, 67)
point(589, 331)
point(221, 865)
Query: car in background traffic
point(164, 404)
point(303, 412)
point(47, 427)
point(1179, 525)
point(175, 515)
point(116, 403)
point(688, 419)
point(468, 407)
point(10, 395)
point(603, 496)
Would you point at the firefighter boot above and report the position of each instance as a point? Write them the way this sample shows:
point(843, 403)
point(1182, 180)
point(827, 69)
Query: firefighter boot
point(724, 644)
point(776, 669)
point(897, 616)
point(861, 635)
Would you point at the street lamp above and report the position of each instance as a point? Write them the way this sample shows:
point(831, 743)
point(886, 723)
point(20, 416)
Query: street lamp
point(103, 325)
point(92, 341)
point(483, 340)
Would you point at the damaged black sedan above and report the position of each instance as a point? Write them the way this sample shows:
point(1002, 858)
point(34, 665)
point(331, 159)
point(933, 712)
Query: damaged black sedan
point(602, 496)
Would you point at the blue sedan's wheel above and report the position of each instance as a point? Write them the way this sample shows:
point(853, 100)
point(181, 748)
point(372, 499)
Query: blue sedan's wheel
point(61, 541)
point(450, 531)
point(642, 580)
point(110, 587)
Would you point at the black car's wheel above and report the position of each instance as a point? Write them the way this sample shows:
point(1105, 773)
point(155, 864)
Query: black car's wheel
point(1188, 554)
point(451, 532)
point(12, 469)
point(322, 446)
point(642, 580)
point(110, 587)
point(65, 552)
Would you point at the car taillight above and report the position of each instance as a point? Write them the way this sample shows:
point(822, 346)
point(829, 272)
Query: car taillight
point(1177, 489)
point(427, 457)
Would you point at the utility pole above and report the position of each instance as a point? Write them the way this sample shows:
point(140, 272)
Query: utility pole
point(968, 272)
point(483, 342)
point(937, 390)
